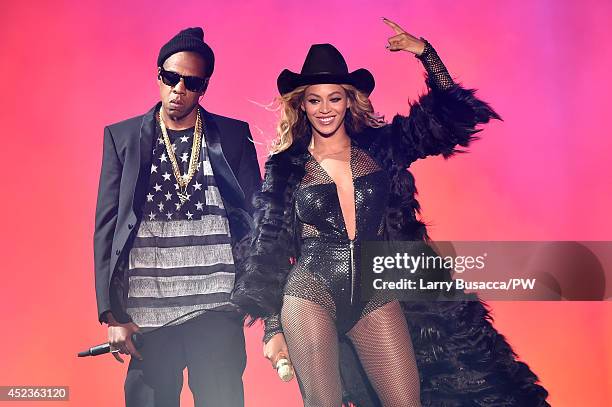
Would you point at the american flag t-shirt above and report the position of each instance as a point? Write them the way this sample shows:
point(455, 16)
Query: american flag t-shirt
point(181, 260)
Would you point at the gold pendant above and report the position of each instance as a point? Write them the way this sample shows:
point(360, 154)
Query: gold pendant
point(182, 197)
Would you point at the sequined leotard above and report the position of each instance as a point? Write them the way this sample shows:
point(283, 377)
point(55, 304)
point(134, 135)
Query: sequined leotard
point(327, 271)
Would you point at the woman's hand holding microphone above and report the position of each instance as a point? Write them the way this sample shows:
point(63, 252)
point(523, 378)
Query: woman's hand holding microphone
point(275, 350)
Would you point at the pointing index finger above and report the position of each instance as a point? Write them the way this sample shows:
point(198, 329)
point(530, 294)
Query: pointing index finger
point(394, 26)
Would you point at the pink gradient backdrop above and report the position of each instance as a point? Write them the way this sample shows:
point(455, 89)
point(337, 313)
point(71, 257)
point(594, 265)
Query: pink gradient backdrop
point(70, 67)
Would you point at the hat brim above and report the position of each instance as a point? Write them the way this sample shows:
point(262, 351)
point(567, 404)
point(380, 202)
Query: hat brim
point(362, 79)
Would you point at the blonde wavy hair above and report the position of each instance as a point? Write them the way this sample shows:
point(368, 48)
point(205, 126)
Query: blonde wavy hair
point(293, 124)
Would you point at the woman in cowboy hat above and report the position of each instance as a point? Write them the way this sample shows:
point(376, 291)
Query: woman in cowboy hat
point(337, 177)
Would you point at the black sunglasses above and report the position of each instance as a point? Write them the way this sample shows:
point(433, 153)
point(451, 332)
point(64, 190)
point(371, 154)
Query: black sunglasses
point(192, 83)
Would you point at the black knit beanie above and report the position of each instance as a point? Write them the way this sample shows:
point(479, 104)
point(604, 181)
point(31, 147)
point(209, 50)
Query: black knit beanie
point(190, 39)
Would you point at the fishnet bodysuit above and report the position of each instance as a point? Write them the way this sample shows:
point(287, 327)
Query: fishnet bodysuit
point(322, 293)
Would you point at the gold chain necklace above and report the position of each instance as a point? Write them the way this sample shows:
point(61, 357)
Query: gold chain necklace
point(184, 179)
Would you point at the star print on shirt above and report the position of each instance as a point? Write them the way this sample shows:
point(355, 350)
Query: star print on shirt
point(162, 200)
point(160, 140)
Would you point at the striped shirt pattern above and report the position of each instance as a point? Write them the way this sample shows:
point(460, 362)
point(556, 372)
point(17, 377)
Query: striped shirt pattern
point(181, 260)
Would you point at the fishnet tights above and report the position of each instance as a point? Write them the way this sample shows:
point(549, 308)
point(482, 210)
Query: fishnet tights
point(383, 344)
point(381, 339)
point(312, 341)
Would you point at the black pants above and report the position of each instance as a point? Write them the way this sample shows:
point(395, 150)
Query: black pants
point(211, 346)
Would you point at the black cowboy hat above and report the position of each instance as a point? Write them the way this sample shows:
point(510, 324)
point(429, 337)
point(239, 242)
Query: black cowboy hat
point(325, 64)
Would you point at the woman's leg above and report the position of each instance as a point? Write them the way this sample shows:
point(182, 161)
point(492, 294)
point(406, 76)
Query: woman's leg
point(312, 341)
point(383, 343)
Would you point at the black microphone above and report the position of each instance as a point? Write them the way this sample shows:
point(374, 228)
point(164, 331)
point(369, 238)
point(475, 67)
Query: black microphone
point(101, 349)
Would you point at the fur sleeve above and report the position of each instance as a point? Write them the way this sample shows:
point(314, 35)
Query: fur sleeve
point(438, 123)
point(258, 290)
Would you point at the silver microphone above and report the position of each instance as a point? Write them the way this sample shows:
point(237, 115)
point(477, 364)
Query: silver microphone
point(284, 369)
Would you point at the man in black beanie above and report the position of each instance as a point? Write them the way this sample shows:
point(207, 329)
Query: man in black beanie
point(173, 211)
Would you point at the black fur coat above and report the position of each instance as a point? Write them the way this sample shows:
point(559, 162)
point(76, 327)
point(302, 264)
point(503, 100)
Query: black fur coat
point(462, 359)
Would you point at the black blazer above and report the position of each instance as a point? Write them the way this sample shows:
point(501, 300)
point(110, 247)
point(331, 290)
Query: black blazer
point(124, 178)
